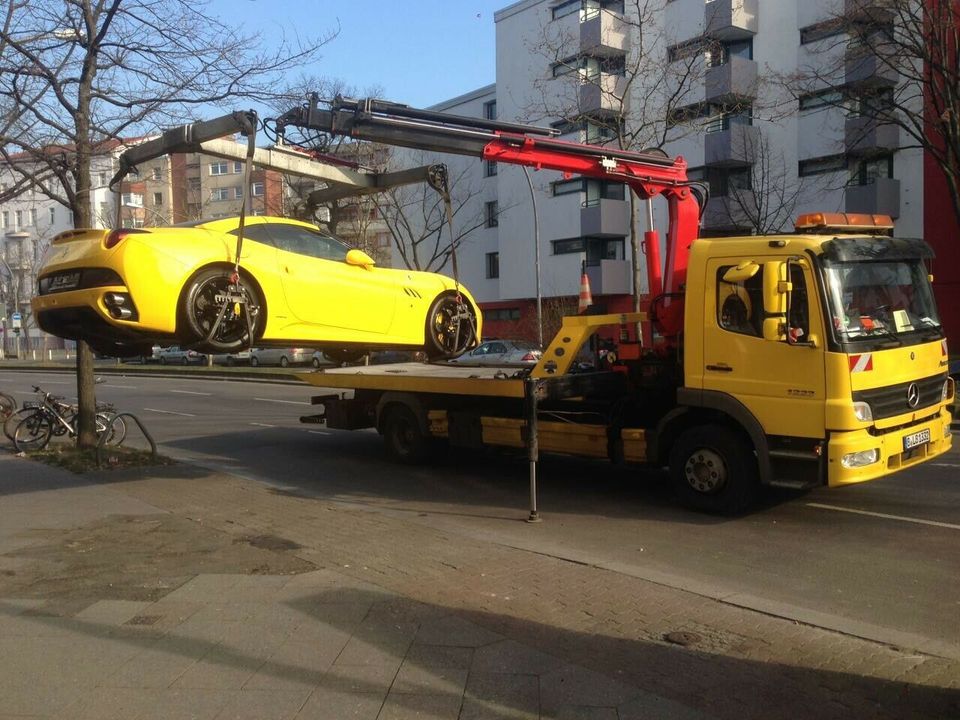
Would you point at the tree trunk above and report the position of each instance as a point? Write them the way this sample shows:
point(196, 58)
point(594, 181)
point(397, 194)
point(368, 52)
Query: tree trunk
point(86, 397)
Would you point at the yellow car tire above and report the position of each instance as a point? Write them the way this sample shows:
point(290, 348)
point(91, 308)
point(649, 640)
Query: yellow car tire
point(448, 333)
point(200, 308)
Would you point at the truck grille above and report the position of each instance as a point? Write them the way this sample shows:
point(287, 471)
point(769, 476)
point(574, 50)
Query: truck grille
point(892, 400)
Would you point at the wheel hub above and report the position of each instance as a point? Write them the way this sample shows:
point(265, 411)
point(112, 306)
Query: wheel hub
point(705, 471)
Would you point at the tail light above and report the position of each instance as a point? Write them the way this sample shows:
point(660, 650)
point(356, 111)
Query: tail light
point(529, 357)
point(115, 236)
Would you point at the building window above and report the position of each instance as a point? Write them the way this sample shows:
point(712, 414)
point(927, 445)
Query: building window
point(19, 218)
point(257, 189)
point(821, 31)
point(491, 214)
point(489, 168)
point(6, 219)
point(33, 217)
point(493, 265)
point(156, 173)
point(131, 199)
point(237, 166)
point(102, 179)
point(821, 165)
point(53, 216)
point(566, 247)
point(743, 116)
point(598, 190)
point(567, 187)
point(220, 194)
point(158, 199)
point(824, 98)
point(684, 50)
point(193, 183)
point(238, 193)
point(501, 314)
point(490, 110)
point(218, 168)
point(867, 170)
point(720, 54)
point(724, 180)
point(568, 7)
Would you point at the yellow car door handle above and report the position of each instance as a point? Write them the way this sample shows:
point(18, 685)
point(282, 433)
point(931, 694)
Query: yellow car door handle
point(721, 367)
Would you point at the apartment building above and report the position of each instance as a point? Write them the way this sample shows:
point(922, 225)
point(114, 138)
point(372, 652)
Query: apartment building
point(713, 81)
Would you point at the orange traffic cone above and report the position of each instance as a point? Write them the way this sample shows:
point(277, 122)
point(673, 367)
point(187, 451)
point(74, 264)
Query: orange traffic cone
point(586, 298)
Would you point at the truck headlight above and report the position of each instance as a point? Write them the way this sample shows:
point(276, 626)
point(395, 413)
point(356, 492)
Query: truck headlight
point(860, 459)
point(947, 389)
point(863, 412)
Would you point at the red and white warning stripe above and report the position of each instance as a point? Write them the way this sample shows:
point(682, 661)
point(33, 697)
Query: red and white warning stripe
point(861, 363)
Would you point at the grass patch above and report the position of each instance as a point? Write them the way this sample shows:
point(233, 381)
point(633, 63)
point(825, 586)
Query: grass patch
point(77, 460)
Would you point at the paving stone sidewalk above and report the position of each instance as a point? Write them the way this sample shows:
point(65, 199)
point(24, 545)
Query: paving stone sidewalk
point(225, 598)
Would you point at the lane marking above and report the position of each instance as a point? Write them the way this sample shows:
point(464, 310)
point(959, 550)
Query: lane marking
point(885, 516)
point(170, 412)
point(287, 402)
point(189, 392)
point(125, 387)
point(262, 424)
point(319, 432)
point(950, 465)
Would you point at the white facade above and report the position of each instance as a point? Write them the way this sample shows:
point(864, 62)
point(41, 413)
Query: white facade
point(742, 110)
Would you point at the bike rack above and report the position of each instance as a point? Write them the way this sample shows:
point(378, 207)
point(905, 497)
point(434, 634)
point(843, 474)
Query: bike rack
point(146, 434)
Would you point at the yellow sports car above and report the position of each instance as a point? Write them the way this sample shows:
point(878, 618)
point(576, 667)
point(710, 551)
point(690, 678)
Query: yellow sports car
point(123, 290)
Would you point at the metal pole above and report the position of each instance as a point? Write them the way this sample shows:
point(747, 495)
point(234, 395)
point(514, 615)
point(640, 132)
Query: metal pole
point(533, 450)
point(536, 257)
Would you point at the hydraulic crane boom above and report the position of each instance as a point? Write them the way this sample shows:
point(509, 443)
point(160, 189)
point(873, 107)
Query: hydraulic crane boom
point(648, 174)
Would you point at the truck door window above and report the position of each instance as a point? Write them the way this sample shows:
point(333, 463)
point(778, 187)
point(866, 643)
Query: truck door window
point(740, 305)
point(799, 320)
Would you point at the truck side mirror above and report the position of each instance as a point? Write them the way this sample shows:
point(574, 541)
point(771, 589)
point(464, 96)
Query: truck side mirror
point(776, 300)
point(741, 273)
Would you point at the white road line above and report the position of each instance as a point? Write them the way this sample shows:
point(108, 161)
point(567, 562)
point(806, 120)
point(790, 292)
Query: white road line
point(125, 387)
point(951, 465)
point(288, 402)
point(262, 424)
point(189, 392)
point(885, 516)
point(319, 432)
point(170, 412)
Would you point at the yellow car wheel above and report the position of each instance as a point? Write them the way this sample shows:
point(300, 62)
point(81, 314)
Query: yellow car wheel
point(451, 327)
point(208, 298)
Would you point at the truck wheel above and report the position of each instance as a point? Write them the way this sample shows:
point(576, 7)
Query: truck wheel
point(713, 470)
point(405, 441)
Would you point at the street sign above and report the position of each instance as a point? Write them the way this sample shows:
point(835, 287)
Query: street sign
point(16, 318)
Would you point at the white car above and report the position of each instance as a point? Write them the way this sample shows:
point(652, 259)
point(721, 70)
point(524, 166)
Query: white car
point(501, 352)
point(178, 356)
point(283, 357)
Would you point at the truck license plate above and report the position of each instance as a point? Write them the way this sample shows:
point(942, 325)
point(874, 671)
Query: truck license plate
point(916, 439)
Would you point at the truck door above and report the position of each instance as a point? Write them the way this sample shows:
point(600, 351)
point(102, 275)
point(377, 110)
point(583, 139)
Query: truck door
point(782, 384)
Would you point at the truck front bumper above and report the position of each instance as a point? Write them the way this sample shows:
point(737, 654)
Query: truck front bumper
point(891, 447)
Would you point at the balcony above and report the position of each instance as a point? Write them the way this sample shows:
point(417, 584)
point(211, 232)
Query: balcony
point(603, 92)
point(865, 67)
point(603, 33)
point(604, 217)
point(881, 196)
point(730, 19)
point(867, 10)
point(733, 81)
point(736, 144)
point(610, 277)
point(727, 214)
point(865, 136)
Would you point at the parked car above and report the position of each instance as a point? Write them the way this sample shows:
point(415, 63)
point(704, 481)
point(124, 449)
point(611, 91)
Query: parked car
point(121, 290)
point(177, 355)
point(231, 359)
point(501, 352)
point(283, 357)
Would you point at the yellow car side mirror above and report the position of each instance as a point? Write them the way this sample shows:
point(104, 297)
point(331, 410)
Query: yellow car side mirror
point(359, 257)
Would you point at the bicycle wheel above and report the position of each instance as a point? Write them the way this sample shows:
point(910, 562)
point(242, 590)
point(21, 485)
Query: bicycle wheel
point(8, 406)
point(113, 425)
point(10, 424)
point(33, 433)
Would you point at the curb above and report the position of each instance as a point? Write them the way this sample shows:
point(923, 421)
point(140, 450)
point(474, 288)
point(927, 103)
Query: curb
point(283, 378)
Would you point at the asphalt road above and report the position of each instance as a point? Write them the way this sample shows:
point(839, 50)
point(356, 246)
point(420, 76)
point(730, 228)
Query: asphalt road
point(879, 560)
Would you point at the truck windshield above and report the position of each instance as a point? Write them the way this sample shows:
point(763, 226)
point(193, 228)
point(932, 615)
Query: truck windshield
point(881, 299)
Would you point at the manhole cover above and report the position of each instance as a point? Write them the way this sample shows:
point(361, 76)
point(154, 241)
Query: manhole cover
point(682, 637)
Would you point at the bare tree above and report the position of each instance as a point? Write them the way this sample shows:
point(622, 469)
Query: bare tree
point(763, 197)
point(897, 64)
point(79, 75)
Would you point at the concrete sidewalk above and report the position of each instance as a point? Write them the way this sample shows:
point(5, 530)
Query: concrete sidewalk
point(177, 592)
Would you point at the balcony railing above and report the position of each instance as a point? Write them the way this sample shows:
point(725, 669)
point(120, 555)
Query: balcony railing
point(730, 19)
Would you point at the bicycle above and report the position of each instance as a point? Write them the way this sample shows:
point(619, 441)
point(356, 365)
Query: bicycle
point(53, 417)
point(8, 406)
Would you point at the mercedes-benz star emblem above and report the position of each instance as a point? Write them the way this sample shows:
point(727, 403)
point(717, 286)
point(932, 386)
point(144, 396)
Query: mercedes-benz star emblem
point(913, 395)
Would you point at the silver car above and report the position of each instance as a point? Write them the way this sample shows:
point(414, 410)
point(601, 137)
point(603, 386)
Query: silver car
point(501, 352)
point(178, 356)
point(283, 357)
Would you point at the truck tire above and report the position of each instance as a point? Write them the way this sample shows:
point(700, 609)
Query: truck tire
point(405, 440)
point(713, 469)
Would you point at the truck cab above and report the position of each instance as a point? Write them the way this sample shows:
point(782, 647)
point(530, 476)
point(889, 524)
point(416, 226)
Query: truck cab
point(824, 347)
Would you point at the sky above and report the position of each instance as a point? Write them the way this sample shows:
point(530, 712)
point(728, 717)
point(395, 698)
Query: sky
point(419, 52)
